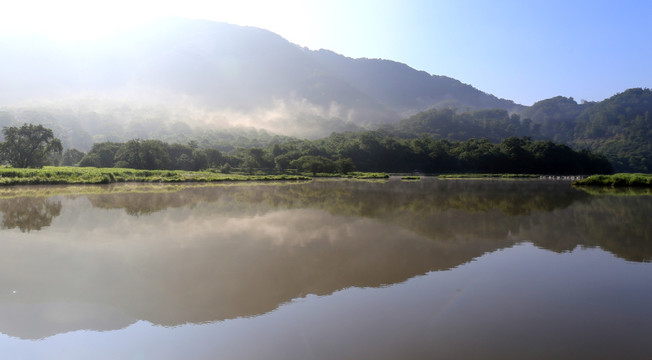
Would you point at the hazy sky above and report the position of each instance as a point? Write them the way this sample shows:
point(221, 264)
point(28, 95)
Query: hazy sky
point(525, 50)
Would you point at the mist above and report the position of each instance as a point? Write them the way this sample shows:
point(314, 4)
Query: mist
point(179, 80)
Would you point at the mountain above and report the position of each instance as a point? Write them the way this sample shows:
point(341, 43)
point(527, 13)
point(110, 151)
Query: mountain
point(179, 80)
point(406, 90)
point(619, 127)
point(216, 75)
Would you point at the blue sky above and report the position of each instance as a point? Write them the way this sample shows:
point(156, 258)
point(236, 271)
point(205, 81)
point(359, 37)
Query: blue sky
point(520, 50)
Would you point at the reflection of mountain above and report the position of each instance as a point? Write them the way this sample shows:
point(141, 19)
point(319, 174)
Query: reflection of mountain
point(365, 199)
point(28, 213)
point(551, 214)
point(206, 268)
point(217, 252)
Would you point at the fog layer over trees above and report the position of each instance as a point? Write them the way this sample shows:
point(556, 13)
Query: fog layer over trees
point(233, 88)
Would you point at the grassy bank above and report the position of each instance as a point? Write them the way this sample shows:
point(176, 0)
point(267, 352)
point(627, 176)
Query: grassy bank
point(367, 175)
point(54, 175)
point(617, 180)
point(75, 175)
point(351, 175)
point(484, 176)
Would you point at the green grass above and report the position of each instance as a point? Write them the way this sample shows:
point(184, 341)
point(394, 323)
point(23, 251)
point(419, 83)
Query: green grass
point(484, 176)
point(75, 175)
point(54, 175)
point(411, 178)
point(366, 175)
point(617, 191)
point(617, 180)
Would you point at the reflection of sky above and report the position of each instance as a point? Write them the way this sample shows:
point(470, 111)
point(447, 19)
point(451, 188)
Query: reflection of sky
point(195, 264)
point(246, 273)
point(516, 303)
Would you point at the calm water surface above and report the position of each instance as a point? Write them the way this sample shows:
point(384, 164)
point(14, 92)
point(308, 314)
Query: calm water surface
point(325, 270)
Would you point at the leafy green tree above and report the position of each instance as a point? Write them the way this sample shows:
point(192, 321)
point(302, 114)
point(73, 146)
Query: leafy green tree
point(28, 145)
point(72, 157)
point(344, 166)
point(180, 156)
point(254, 158)
point(314, 164)
point(143, 154)
point(214, 158)
point(199, 160)
point(282, 162)
point(101, 155)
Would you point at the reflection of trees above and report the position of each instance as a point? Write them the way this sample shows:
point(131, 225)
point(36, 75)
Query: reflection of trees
point(27, 213)
point(365, 199)
point(551, 214)
point(620, 225)
point(274, 243)
point(137, 204)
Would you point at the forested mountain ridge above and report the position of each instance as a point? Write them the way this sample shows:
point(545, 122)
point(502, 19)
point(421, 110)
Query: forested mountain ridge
point(227, 87)
point(619, 127)
point(232, 75)
point(406, 90)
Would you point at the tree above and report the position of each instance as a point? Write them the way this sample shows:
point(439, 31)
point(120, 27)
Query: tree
point(314, 164)
point(29, 145)
point(214, 158)
point(345, 166)
point(72, 157)
point(143, 154)
point(101, 155)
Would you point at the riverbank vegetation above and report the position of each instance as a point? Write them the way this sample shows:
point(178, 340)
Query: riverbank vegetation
point(76, 175)
point(346, 152)
point(617, 180)
point(340, 153)
point(488, 176)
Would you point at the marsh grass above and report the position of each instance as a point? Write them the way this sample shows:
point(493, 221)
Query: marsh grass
point(484, 176)
point(10, 192)
point(411, 178)
point(617, 180)
point(367, 175)
point(617, 191)
point(88, 175)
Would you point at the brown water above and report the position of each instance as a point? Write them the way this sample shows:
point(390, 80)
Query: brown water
point(325, 270)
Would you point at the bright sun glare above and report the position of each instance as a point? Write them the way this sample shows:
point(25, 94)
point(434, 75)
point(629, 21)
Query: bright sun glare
point(79, 19)
point(70, 20)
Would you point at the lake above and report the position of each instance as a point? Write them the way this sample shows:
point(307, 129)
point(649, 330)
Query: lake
point(327, 269)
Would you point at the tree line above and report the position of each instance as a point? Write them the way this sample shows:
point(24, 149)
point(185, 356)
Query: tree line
point(35, 146)
point(619, 127)
point(346, 152)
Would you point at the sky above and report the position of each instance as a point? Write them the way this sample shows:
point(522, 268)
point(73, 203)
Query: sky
point(524, 51)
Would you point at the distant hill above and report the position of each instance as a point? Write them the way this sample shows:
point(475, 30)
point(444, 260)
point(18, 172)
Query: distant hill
point(619, 127)
point(406, 90)
point(221, 75)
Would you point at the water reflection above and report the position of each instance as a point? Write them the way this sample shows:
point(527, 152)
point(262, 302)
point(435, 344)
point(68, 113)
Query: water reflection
point(28, 213)
point(206, 253)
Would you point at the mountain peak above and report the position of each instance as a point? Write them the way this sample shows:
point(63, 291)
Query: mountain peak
point(218, 66)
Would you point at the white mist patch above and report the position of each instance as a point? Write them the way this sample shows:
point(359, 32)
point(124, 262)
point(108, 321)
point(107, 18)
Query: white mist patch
point(101, 114)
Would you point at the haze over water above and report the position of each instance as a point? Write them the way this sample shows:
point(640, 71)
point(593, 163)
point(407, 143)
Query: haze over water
point(325, 269)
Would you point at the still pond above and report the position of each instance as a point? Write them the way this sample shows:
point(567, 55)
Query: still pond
point(328, 269)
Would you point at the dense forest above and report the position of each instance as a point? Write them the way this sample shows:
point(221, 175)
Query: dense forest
point(619, 128)
point(557, 135)
point(346, 152)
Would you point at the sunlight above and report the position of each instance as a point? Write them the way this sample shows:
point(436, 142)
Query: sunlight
point(71, 20)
